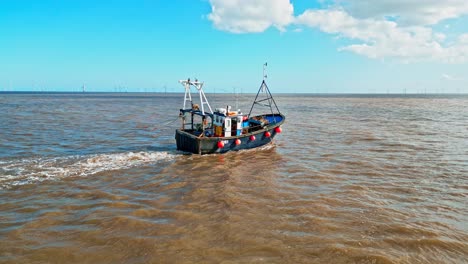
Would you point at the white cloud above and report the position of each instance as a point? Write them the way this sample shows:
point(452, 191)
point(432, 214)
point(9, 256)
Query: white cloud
point(463, 38)
point(406, 12)
point(400, 29)
point(386, 39)
point(250, 16)
point(450, 77)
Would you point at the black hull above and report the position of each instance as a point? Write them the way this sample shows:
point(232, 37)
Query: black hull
point(209, 145)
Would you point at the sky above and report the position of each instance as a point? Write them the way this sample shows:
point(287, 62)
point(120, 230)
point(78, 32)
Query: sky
point(311, 46)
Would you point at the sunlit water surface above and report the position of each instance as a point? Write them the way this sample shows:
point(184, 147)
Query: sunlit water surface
point(96, 178)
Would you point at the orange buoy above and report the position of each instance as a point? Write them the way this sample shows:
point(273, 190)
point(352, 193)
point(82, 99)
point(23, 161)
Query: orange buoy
point(267, 134)
point(220, 144)
point(237, 142)
point(252, 138)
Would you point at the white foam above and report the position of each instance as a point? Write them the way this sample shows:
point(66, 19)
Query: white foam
point(27, 171)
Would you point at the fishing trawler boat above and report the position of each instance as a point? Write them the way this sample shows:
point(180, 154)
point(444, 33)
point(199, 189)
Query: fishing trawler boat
point(205, 131)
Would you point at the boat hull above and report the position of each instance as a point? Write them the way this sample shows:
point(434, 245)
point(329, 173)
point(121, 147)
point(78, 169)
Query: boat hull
point(208, 145)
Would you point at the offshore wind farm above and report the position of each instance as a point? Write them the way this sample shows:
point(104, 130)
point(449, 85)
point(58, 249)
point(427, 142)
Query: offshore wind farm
point(370, 165)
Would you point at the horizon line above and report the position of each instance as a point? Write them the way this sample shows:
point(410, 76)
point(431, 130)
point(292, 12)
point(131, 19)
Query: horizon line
point(227, 93)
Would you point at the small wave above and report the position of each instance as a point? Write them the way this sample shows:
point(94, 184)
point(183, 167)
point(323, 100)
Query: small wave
point(26, 171)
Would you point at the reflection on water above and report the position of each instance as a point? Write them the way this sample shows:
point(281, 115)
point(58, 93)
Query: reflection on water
point(97, 179)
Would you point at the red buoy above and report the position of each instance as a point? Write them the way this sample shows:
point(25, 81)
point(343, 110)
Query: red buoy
point(252, 138)
point(278, 130)
point(237, 142)
point(220, 144)
point(267, 134)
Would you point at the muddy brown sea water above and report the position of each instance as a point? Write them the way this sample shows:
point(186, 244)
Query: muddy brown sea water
point(96, 178)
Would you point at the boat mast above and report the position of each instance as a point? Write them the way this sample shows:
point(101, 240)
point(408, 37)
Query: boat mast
point(203, 100)
point(269, 98)
point(188, 97)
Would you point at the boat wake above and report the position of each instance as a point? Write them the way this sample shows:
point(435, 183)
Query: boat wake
point(27, 171)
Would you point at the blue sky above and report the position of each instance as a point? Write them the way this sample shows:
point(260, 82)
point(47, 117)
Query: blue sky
point(335, 46)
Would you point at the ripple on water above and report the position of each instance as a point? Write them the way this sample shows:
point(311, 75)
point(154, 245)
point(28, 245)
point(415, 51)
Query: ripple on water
point(350, 180)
